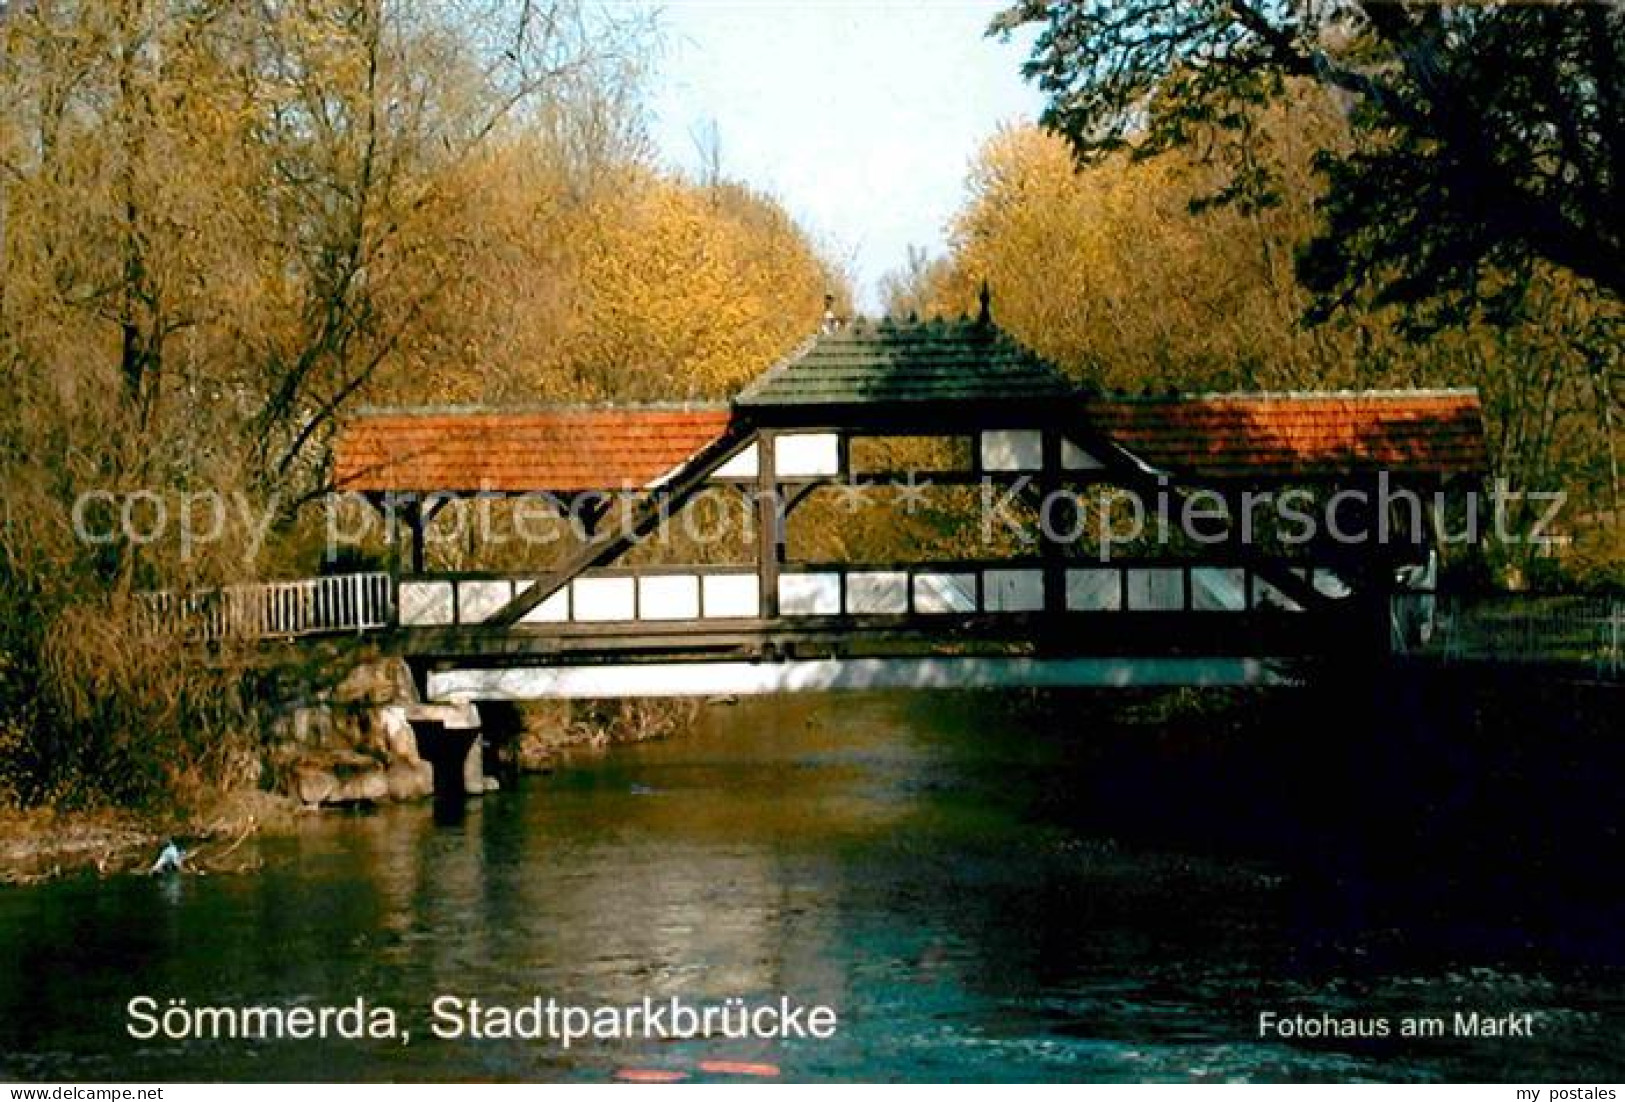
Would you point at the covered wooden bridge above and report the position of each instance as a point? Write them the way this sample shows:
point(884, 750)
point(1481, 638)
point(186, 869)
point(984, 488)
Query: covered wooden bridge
point(882, 416)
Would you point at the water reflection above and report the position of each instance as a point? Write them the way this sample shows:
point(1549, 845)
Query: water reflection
point(982, 893)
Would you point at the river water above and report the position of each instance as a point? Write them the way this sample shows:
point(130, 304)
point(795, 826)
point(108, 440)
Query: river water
point(978, 889)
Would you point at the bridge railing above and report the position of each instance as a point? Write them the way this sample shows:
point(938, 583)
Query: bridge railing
point(722, 593)
point(1577, 632)
point(336, 604)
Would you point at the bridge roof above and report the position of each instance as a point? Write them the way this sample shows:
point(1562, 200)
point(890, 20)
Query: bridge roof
point(1308, 435)
point(563, 449)
point(905, 362)
point(1214, 437)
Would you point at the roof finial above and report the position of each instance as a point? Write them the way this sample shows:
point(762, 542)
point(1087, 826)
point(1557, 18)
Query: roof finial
point(985, 315)
point(830, 323)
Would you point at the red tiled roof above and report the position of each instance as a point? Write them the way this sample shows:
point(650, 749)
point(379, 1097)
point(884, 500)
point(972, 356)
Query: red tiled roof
point(1305, 435)
point(565, 450)
point(1226, 436)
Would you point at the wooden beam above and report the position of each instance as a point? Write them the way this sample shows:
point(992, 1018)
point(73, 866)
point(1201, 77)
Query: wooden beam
point(795, 495)
point(415, 524)
point(770, 518)
point(1052, 552)
point(386, 505)
point(659, 503)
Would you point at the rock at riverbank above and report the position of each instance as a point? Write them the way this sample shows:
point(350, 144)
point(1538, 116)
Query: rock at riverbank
point(368, 738)
point(354, 743)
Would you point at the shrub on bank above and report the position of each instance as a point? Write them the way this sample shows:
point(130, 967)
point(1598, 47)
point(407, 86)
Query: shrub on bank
point(97, 709)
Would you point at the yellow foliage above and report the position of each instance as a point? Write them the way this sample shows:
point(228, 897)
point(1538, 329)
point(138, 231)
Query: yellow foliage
point(645, 288)
point(1111, 272)
point(223, 227)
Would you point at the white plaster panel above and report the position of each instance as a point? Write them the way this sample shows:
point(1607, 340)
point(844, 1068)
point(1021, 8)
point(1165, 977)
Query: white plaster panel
point(1328, 584)
point(807, 454)
point(877, 594)
point(732, 596)
point(809, 594)
point(425, 604)
point(1219, 589)
point(1074, 458)
point(1094, 589)
point(600, 600)
point(554, 610)
point(1266, 596)
point(1013, 590)
point(1157, 589)
point(743, 465)
point(944, 593)
point(669, 597)
point(1012, 450)
point(477, 601)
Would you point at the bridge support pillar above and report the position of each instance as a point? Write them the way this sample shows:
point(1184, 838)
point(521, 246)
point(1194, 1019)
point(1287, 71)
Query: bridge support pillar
point(449, 739)
point(474, 767)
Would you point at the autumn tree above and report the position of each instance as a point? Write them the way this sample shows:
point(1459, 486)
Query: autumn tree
point(913, 289)
point(1491, 134)
point(640, 287)
point(220, 225)
point(371, 131)
point(1470, 201)
point(690, 291)
point(1109, 272)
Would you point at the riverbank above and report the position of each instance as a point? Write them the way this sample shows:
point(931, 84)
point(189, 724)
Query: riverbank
point(536, 738)
point(1223, 767)
point(40, 845)
point(1011, 895)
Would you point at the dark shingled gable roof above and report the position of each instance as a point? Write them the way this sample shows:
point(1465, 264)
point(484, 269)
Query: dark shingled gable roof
point(885, 362)
point(564, 449)
point(1309, 435)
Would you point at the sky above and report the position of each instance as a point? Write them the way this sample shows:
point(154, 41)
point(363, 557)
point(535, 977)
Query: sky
point(862, 118)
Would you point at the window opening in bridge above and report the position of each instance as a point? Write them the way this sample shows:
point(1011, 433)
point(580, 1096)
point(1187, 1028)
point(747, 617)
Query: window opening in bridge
point(918, 455)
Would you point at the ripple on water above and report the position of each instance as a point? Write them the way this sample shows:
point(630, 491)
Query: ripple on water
point(931, 875)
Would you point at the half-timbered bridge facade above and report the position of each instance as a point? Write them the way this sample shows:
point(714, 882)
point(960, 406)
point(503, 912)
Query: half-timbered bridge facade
point(1073, 601)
